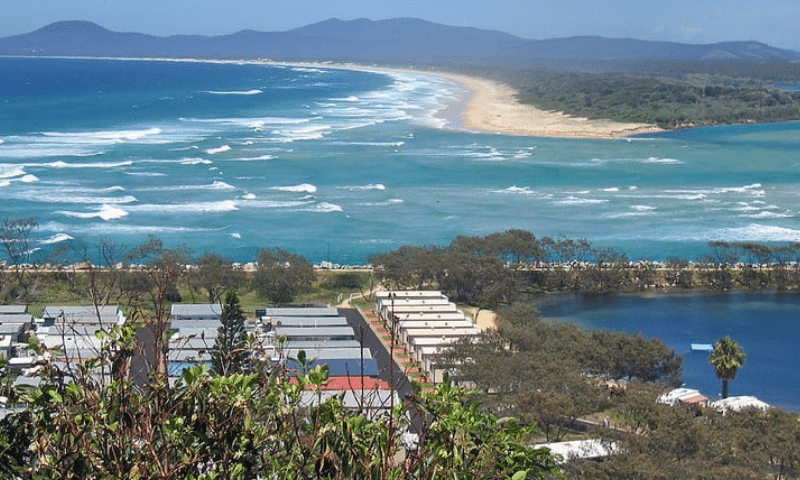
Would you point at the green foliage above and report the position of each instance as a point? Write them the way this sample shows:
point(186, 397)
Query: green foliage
point(551, 373)
point(726, 358)
point(243, 426)
point(282, 275)
point(215, 274)
point(460, 440)
point(230, 353)
point(668, 101)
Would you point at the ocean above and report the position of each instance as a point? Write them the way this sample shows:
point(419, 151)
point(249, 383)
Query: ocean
point(337, 164)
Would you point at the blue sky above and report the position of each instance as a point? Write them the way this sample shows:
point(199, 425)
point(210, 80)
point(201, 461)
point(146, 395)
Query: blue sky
point(774, 22)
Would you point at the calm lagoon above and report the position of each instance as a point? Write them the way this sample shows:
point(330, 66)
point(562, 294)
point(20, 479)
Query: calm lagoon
point(767, 326)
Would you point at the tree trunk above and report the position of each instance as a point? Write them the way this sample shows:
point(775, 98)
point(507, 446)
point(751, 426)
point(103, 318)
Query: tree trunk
point(724, 388)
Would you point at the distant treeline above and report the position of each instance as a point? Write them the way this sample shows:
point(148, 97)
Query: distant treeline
point(670, 94)
point(506, 267)
point(692, 100)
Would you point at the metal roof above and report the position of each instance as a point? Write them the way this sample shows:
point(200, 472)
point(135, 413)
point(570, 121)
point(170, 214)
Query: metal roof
point(302, 312)
point(13, 309)
point(399, 294)
point(342, 333)
point(82, 314)
point(330, 353)
point(307, 322)
point(195, 310)
point(321, 344)
point(441, 332)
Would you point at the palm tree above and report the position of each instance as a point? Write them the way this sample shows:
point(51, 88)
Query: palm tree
point(726, 358)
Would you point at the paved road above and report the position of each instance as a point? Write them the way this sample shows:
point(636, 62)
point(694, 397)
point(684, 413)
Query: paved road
point(369, 338)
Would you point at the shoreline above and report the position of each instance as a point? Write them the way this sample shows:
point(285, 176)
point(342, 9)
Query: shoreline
point(487, 106)
point(492, 107)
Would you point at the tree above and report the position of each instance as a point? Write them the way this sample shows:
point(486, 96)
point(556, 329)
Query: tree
point(230, 348)
point(727, 358)
point(282, 275)
point(15, 236)
point(215, 275)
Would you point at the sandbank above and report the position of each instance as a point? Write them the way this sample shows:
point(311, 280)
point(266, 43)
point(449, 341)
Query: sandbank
point(493, 107)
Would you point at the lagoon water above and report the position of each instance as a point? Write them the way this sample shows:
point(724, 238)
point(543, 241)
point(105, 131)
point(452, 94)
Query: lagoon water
point(338, 164)
point(767, 326)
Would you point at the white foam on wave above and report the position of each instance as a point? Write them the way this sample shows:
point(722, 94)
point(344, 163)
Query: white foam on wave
point(643, 208)
point(272, 204)
point(663, 161)
point(599, 162)
point(4, 183)
point(62, 164)
point(303, 187)
point(222, 149)
point(516, 190)
point(237, 236)
point(16, 173)
point(256, 159)
point(371, 186)
point(195, 161)
point(57, 238)
point(754, 189)
point(289, 135)
point(65, 195)
point(254, 91)
point(371, 144)
point(103, 137)
point(323, 207)
point(11, 171)
point(146, 174)
point(193, 207)
point(391, 201)
point(674, 195)
point(116, 228)
point(769, 215)
point(216, 185)
point(106, 212)
point(249, 196)
point(756, 232)
point(569, 201)
point(308, 70)
point(611, 190)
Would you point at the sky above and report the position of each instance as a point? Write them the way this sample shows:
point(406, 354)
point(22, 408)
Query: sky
point(774, 22)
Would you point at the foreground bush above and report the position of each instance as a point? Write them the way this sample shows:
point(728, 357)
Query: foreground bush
point(82, 424)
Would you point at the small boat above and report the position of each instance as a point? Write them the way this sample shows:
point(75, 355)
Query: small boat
point(702, 347)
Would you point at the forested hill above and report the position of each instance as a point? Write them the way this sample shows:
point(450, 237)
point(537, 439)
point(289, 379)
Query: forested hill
point(401, 40)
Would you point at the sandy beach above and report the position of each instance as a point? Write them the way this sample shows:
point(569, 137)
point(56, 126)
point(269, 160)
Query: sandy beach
point(493, 107)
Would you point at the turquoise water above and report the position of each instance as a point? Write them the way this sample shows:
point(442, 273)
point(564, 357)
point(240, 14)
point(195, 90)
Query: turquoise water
point(767, 326)
point(336, 164)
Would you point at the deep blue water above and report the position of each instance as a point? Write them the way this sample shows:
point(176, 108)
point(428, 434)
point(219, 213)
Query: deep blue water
point(767, 326)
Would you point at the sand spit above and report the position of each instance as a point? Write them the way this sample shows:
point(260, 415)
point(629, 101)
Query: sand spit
point(493, 107)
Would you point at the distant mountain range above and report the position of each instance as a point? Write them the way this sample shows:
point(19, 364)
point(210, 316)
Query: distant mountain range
point(396, 41)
